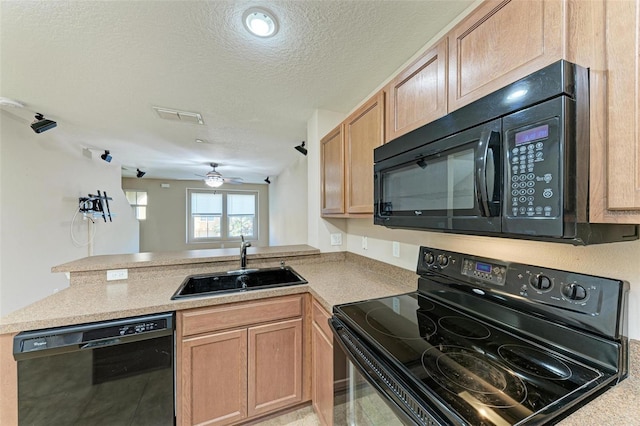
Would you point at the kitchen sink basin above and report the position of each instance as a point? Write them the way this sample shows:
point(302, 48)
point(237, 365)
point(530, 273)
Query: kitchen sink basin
point(238, 280)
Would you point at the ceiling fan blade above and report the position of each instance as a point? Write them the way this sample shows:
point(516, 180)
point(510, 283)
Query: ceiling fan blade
point(233, 180)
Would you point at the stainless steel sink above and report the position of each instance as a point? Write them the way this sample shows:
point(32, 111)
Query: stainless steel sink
point(238, 280)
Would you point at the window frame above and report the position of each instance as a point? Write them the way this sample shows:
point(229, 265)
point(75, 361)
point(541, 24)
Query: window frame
point(224, 219)
point(136, 205)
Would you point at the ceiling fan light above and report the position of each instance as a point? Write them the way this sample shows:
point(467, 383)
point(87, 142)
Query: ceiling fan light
point(214, 181)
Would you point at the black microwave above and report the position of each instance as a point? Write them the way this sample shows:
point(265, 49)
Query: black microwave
point(513, 164)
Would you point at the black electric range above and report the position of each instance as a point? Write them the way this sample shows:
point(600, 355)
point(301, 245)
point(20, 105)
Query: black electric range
point(487, 342)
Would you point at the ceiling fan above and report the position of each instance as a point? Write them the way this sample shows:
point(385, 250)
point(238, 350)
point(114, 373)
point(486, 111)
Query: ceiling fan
point(214, 179)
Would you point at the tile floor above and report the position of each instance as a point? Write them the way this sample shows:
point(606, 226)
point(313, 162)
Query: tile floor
point(303, 416)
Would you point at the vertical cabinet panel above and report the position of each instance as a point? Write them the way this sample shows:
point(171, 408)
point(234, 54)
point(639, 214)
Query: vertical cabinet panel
point(623, 98)
point(364, 131)
point(214, 378)
point(418, 95)
point(322, 368)
point(275, 366)
point(500, 42)
point(332, 171)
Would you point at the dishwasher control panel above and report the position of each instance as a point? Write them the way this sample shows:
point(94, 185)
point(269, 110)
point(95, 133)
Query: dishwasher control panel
point(87, 336)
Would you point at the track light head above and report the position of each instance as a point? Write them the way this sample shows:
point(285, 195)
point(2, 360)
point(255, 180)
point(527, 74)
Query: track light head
point(140, 173)
point(267, 180)
point(106, 156)
point(41, 124)
point(301, 149)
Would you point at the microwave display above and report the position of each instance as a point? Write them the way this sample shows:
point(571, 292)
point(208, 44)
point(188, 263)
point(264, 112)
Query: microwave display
point(537, 133)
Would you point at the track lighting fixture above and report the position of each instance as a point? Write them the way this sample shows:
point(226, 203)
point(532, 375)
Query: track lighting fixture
point(140, 173)
point(267, 180)
point(41, 124)
point(106, 156)
point(300, 148)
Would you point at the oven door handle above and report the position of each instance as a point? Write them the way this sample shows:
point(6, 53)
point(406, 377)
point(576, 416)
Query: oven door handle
point(488, 161)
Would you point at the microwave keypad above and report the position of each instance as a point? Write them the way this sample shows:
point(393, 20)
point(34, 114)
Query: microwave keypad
point(532, 189)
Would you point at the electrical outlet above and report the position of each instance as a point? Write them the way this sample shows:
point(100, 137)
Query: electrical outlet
point(396, 249)
point(117, 274)
point(364, 243)
point(336, 239)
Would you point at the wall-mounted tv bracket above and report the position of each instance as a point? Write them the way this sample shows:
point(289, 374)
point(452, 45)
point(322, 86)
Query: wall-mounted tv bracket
point(96, 204)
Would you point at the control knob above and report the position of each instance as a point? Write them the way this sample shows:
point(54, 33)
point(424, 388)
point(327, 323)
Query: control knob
point(429, 258)
point(443, 260)
point(540, 282)
point(574, 291)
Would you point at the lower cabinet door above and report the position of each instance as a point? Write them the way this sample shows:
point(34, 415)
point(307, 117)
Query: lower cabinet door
point(322, 388)
point(275, 366)
point(214, 378)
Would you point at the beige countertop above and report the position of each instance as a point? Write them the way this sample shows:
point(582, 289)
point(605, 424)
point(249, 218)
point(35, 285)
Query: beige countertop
point(186, 257)
point(333, 279)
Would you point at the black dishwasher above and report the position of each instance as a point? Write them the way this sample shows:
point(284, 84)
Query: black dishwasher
point(117, 372)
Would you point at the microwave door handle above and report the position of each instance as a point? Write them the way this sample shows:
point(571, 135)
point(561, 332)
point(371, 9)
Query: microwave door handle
point(490, 141)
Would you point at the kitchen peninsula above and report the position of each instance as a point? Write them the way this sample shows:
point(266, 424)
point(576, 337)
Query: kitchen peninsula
point(333, 278)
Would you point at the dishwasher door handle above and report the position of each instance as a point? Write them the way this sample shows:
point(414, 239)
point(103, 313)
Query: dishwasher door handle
point(101, 343)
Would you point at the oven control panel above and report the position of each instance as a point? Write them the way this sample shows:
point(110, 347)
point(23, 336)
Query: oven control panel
point(492, 273)
point(570, 296)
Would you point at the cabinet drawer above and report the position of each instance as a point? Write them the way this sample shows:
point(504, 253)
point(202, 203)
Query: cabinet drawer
point(204, 320)
point(321, 318)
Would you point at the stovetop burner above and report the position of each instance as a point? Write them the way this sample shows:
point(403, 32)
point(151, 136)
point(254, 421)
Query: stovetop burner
point(461, 371)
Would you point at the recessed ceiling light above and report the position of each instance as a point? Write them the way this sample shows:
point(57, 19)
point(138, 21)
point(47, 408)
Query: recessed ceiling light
point(260, 22)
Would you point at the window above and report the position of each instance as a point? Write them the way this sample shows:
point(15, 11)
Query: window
point(138, 200)
point(216, 215)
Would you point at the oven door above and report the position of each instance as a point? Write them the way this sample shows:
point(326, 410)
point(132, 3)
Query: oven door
point(373, 394)
point(452, 184)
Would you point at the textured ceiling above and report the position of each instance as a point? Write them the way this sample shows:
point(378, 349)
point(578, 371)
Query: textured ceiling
point(98, 68)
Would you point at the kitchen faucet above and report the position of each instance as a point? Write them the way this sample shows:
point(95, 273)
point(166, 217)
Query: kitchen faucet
point(243, 252)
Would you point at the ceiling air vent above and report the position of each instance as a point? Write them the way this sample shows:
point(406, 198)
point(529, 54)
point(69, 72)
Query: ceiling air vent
point(183, 116)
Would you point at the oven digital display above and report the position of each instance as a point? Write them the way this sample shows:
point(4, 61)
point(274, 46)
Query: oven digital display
point(483, 267)
point(526, 136)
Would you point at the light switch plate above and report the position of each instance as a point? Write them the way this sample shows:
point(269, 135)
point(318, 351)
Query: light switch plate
point(336, 239)
point(364, 243)
point(117, 274)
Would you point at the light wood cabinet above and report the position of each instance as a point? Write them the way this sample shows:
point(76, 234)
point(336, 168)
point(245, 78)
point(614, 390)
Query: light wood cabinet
point(322, 366)
point(418, 95)
point(275, 366)
point(214, 373)
point(239, 361)
point(332, 172)
point(615, 112)
point(501, 42)
point(363, 131)
point(347, 161)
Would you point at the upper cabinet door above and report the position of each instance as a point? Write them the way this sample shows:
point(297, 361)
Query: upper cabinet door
point(364, 131)
point(418, 95)
point(500, 42)
point(623, 114)
point(332, 170)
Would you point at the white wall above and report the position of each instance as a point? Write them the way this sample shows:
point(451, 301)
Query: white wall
point(288, 205)
point(41, 179)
